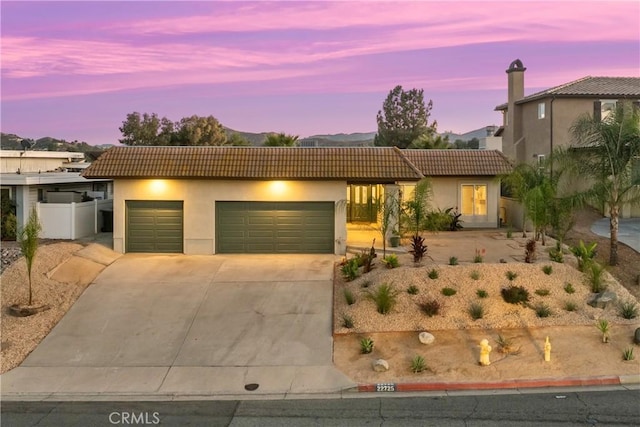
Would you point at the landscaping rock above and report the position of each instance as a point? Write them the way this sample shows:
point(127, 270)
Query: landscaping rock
point(426, 338)
point(636, 336)
point(8, 257)
point(381, 365)
point(602, 299)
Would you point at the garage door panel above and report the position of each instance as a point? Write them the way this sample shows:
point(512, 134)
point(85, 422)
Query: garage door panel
point(154, 226)
point(275, 227)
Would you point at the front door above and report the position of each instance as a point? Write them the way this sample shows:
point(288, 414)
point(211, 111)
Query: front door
point(362, 203)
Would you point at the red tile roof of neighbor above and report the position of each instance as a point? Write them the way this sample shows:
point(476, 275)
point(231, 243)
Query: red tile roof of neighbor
point(600, 87)
point(302, 163)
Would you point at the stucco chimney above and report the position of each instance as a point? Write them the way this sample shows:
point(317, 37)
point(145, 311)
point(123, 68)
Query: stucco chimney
point(515, 92)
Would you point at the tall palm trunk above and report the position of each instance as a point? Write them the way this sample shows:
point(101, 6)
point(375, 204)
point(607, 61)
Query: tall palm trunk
point(613, 228)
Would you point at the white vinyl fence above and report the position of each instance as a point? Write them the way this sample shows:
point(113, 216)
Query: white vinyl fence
point(72, 220)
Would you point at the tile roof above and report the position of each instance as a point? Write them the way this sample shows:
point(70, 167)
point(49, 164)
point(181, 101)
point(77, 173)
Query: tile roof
point(602, 87)
point(459, 162)
point(303, 163)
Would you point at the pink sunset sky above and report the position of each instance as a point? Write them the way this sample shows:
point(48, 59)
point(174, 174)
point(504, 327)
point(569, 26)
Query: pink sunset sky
point(74, 70)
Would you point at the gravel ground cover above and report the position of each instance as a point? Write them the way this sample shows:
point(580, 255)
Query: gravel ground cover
point(407, 315)
point(20, 335)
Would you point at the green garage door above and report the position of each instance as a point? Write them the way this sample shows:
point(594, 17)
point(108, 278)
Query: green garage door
point(274, 227)
point(153, 226)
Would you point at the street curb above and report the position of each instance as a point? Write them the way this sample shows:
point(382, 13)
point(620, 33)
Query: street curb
point(493, 385)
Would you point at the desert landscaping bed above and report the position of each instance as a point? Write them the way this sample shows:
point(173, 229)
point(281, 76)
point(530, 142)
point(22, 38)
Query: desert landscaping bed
point(407, 315)
point(577, 347)
point(20, 335)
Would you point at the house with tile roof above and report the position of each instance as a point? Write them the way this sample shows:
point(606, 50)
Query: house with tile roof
point(535, 124)
point(205, 200)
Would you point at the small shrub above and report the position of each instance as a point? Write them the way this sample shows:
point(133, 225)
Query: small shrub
point(556, 254)
point(366, 345)
point(627, 353)
point(433, 274)
point(348, 296)
point(418, 248)
point(475, 274)
point(530, 251)
point(413, 290)
point(628, 310)
point(543, 292)
point(568, 288)
point(448, 292)
point(479, 256)
point(418, 364)
point(391, 261)
point(507, 345)
point(385, 298)
point(509, 232)
point(595, 276)
point(542, 310)
point(515, 295)
point(584, 253)
point(603, 327)
point(476, 311)
point(570, 306)
point(547, 269)
point(453, 260)
point(511, 275)
point(347, 321)
point(482, 293)
point(350, 269)
point(430, 308)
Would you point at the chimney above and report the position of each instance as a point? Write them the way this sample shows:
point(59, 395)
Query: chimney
point(516, 81)
point(513, 126)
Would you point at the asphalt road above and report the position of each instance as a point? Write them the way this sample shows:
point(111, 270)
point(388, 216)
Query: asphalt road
point(606, 408)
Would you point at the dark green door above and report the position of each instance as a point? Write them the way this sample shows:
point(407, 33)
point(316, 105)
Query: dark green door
point(275, 227)
point(153, 226)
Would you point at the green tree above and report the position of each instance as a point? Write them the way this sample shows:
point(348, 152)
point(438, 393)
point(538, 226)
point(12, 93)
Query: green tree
point(237, 140)
point(403, 118)
point(281, 140)
point(431, 140)
point(519, 183)
point(146, 129)
point(28, 238)
point(603, 155)
point(388, 211)
point(415, 210)
point(196, 130)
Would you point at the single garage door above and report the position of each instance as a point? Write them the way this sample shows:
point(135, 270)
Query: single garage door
point(274, 227)
point(153, 226)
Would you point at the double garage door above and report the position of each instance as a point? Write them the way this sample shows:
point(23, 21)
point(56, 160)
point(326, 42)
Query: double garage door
point(275, 227)
point(241, 227)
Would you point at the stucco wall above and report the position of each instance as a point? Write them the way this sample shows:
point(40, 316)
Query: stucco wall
point(199, 197)
point(447, 193)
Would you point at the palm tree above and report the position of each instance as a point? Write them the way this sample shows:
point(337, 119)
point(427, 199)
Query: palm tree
point(430, 140)
point(281, 140)
point(520, 182)
point(604, 154)
point(28, 239)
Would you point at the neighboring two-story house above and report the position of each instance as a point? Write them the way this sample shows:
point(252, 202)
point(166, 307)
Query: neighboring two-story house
point(534, 125)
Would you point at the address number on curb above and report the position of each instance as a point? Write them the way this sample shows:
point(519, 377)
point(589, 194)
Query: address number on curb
point(385, 387)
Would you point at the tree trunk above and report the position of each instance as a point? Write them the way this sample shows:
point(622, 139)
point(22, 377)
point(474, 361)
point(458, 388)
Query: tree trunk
point(613, 228)
point(30, 290)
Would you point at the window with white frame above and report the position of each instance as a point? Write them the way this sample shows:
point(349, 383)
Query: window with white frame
point(541, 110)
point(473, 199)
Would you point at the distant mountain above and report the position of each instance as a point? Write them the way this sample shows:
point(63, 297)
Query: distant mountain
point(9, 141)
point(346, 137)
point(253, 138)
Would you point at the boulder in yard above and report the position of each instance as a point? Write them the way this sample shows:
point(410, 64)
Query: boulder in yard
point(426, 338)
point(381, 365)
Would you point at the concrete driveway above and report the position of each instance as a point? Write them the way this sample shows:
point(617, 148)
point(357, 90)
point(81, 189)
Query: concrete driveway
point(628, 231)
point(193, 324)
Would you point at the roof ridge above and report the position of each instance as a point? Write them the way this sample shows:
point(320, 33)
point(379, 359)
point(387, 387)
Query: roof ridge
point(409, 163)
